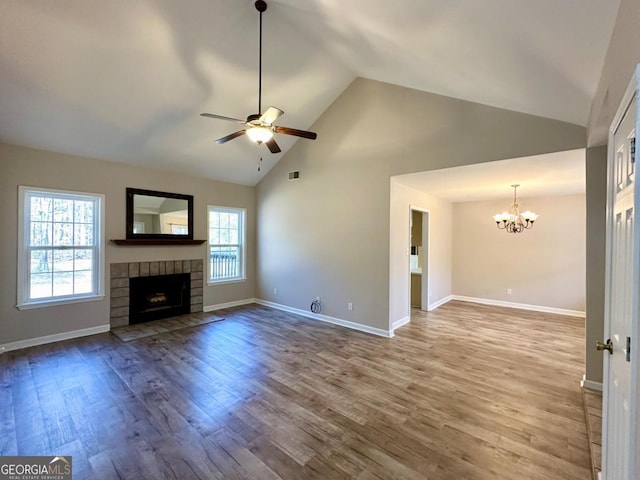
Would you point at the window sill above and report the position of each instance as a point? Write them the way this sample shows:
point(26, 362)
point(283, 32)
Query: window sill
point(62, 301)
point(222, 282)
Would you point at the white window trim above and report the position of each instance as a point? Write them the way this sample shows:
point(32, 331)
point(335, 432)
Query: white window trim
point(23, 303)
point(243, 247)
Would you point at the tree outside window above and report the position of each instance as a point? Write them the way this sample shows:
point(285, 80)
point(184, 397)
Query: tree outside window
point(61, 246)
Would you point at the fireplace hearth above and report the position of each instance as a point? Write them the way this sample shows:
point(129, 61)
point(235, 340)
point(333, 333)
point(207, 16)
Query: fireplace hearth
point(162, 296)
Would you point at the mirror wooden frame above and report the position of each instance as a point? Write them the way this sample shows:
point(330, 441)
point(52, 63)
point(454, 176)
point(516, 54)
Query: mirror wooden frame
point(131, 192)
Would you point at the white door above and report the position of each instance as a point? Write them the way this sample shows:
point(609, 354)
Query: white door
point(619, 454)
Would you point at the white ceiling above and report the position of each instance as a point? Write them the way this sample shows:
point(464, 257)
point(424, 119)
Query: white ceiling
point(561, 173)
point(126, 80)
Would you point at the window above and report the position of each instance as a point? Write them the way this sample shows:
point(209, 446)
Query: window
point(60, 258)
point(179, 229)
point(138, 227)
point(226, 244)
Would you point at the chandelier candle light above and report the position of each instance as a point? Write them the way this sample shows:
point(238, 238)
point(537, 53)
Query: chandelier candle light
point(514, 221)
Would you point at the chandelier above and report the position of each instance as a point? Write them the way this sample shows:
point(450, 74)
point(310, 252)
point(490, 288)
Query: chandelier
point(514, 221)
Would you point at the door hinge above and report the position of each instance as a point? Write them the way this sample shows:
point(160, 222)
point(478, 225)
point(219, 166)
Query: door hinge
point(633, 150)
point(628, 357)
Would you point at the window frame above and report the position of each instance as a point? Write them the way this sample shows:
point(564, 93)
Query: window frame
point(24, 257)
point(242, 238)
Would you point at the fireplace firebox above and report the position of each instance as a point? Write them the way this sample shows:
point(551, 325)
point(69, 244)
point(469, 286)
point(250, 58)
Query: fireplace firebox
point(152, 298)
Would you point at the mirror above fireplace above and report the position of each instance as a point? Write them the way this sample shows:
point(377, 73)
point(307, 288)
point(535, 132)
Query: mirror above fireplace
point(159, 215)
point(158, 218)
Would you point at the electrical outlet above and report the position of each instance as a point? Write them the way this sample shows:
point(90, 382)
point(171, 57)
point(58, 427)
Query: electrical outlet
point(275, 291)
point(349, 306)
point(508, 291)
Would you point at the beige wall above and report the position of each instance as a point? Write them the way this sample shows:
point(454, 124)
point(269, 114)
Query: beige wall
point(328, 233)
point(439, 251)
point(544, 266)
point(596, 180)
point(23, 166)
point(622, 57)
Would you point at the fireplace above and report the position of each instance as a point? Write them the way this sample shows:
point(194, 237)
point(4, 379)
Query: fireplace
point(123, 275)
point(161, 296)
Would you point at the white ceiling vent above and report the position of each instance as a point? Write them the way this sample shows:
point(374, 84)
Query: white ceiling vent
point(295, 175)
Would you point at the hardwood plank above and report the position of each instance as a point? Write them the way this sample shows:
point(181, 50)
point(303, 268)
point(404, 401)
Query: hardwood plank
point(8, 440)
point(466, 392)
point(249, 465)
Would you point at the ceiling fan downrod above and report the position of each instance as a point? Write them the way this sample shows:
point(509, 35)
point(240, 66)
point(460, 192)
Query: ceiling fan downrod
point(261, 6)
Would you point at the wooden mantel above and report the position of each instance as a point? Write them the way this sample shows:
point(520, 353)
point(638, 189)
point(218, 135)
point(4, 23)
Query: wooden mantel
point(138, 242)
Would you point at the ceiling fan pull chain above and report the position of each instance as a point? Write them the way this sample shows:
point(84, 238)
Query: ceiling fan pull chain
point(260, 163)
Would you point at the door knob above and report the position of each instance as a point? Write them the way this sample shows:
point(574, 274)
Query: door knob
point(605, 346)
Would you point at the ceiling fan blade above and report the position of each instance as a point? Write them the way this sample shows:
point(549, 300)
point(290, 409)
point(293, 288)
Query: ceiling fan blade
point(296, 132)
point(231, 136)
point(273, 146)
point(271, 115)
point(221, 117)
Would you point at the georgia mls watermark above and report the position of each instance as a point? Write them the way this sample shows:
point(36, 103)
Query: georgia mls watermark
point(36, 468)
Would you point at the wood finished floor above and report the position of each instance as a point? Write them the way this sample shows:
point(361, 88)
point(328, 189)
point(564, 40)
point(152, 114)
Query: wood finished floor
point(592, 401)
point(464, 392)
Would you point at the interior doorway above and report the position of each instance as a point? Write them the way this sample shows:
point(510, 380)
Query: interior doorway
point(419, 259)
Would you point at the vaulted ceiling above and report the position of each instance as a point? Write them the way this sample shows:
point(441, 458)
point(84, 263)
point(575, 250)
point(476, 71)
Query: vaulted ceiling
point(126, 80)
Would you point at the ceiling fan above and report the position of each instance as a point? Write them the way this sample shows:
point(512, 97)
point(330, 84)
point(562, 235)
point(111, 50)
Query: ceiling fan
point(260, 127)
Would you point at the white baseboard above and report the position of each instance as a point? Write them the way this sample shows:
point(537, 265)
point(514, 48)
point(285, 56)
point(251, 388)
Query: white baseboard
point(439, 303)
point(57, 337)
point(400, 323)
point(325, 318)
point(220, 306)
point(590, 384)
point(522, 306)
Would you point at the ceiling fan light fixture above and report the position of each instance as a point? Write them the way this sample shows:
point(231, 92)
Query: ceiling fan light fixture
point(259, 134)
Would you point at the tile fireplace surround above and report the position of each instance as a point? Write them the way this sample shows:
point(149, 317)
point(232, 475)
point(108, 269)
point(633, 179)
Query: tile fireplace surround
point(122, 272)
